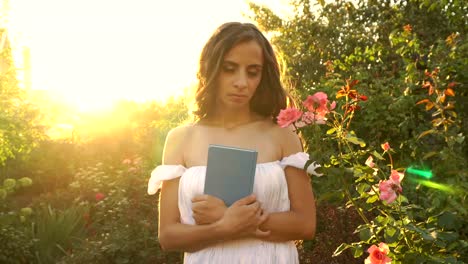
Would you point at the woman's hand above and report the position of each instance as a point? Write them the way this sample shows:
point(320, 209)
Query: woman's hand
point(207, 209)
point(243, 218)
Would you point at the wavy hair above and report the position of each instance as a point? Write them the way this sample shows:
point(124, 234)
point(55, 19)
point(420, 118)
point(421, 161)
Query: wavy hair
point(270, 96)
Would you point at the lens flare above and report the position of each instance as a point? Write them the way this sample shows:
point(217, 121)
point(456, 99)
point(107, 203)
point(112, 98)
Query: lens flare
point(421, 173)
point(423, 177)
point(434, 185)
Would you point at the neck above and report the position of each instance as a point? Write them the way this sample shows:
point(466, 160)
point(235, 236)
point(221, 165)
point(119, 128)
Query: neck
point(232, 118)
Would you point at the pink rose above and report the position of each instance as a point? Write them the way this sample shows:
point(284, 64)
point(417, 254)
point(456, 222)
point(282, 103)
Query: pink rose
point(318, 102)
point(309, 103)
point(390, 188)
point(385, 146)
point(288, 116)
point(320, 98)
point(99, 196)
point(308, 117)
point(378, 255)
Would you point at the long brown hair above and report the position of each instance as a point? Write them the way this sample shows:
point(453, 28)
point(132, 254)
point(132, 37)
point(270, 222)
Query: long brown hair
point(270, 96)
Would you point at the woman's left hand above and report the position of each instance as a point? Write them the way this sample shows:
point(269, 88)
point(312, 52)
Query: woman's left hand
point(207, 209)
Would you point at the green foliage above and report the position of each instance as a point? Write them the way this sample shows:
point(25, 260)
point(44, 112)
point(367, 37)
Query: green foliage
point(17, 246)
point(118, 224)
point(410, 60)
point(55, 230)
point(19, 130)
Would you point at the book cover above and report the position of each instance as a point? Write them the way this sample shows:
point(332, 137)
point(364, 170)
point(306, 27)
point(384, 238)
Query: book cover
point(230, 172)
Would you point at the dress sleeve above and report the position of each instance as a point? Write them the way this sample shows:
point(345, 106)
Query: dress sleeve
point(299, 161)
point(162, 173)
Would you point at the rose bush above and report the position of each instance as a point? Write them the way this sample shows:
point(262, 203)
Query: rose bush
point(373, 188)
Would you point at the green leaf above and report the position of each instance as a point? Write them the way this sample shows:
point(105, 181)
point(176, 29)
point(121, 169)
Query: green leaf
point(427, 132)
point(372, 199)
point(391, 234)
point(362, 187)
point(365, 234)
point(331, 131)
point(355, 140)
point(437, 122)
point(377, 155)
point(448, 220)
point(340, 249)
point(436, 113)
point(357, 251)
point(424, 234)
point(381, 220)
point(447, 236)
point(430, 154)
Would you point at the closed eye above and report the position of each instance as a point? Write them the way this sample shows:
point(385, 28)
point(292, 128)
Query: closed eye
point(253, 74)
point(228, 68)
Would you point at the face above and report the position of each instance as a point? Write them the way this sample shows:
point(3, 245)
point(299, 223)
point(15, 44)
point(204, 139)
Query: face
point(240, 75)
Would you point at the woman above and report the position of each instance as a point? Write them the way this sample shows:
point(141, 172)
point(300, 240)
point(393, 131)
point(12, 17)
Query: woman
point(238, 97)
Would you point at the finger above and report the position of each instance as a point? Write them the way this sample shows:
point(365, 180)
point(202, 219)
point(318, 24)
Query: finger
point(197, 206)
point(245, 201)
point(262, 234)
point(199, 198)
point(263, 218)
point(256, 206)
point(216, 199)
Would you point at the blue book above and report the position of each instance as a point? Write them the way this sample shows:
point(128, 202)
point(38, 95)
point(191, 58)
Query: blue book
point(230, 172)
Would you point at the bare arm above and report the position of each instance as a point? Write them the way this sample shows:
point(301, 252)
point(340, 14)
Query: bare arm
point(297, 223)
point(300, 221)
point(240, 219)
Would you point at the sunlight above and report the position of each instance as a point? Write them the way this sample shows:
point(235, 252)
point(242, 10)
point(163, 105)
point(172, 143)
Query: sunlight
point(96, 52)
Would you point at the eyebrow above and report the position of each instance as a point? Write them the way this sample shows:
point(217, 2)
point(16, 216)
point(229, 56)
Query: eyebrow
point(231, 63)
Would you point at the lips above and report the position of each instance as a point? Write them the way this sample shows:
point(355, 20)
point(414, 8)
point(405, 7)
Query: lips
point(239, 96)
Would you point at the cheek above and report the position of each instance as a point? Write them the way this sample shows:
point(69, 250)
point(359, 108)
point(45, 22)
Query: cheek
point(254, 83)
point(223, 81)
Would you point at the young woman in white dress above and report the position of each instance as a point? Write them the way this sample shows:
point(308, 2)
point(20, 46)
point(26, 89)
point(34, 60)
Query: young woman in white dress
point(238, 97)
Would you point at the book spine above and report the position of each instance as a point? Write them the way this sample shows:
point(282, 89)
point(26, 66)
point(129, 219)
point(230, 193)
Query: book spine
point(254, 168)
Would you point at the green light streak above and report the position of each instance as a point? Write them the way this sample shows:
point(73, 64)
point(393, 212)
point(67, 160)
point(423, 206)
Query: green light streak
point(438, 186)
point(422, 173)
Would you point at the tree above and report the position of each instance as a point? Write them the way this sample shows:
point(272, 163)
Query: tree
point(19, 128)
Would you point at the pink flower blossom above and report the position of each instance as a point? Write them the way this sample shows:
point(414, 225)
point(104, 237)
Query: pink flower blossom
point(319, 103)
point(370, 162)
point(385, 146)
point(378, 255)
point(390, 188)
point(309, 103)
point(288, 116)
point(99, 196)
point(308, 117)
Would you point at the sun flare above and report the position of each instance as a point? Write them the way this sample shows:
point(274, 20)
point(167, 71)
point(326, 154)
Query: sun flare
point(96, 52)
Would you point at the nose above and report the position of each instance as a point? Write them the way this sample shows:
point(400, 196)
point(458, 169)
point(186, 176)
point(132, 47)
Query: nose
point(240, 81)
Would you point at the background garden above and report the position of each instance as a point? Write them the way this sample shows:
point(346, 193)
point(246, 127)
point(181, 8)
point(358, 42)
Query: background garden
point(73, 186)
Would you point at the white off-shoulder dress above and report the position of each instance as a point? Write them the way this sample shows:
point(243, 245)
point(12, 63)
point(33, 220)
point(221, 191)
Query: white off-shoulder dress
point(270, 188)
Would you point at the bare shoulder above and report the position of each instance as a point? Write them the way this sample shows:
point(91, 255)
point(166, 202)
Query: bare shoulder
point(288, 140)
point(179, 132)
point(174, 147)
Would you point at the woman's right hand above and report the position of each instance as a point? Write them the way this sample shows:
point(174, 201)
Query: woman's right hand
point(244, 217)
